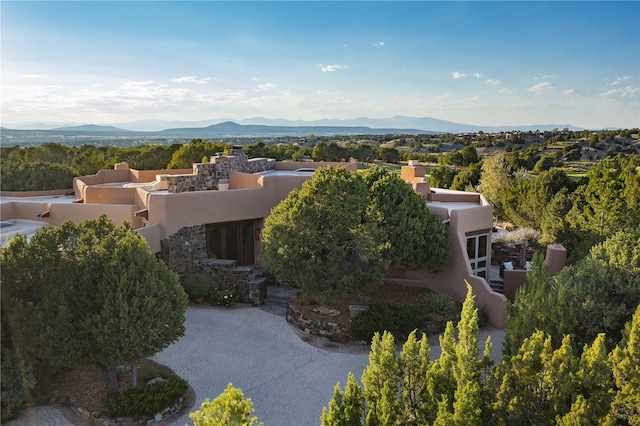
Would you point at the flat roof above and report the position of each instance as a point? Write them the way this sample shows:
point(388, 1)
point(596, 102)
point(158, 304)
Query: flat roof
point(50, 199)
point(10, 228)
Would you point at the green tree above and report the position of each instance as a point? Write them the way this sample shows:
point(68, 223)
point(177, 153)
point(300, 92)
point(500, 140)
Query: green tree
point(625, 362)
point(319, 237)
point(525, 203)
point(389, 155)
point(469, 155)
point(596, 295)
point(193, 152)
point(381, 380)
point(467, 179)
point(609, 202)
point(35, 176)
point(536, 384)
point(85, 292)
point(139, 305)
point(414, 237)
point(467, 406)
point(345, 409)
point(534, 306)
point(415, 362)
point(442, 177)
point(496, 178)
point(594, 384)
point(230, 408)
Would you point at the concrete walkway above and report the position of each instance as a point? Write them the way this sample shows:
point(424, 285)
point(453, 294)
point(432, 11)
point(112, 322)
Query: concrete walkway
point(288, 380)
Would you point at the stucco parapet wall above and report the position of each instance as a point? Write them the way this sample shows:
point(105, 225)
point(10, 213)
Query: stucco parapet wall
point(455, 197)
point(294, 165)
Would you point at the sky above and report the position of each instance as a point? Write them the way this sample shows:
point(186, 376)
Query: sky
point(480, 63)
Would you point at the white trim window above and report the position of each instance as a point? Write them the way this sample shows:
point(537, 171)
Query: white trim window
point(477, 250)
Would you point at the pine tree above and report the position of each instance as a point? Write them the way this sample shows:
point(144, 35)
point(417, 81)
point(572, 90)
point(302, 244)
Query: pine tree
point(440, 378)
point(467, 406)
point(345, 409)
point(444, 417)
point(230, 408)
point(334, 415)
point(536, 384)
point(594, 382)
point(625, 362)
point(381, 380)
point(140, 306)
point(415, 365)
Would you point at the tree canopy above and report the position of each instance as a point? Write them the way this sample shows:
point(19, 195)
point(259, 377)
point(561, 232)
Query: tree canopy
point(416, 238)
point(320, 238)
point(342, 230)
point(84, 293)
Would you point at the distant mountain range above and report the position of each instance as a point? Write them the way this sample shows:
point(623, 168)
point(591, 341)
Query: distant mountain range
point(259, 126)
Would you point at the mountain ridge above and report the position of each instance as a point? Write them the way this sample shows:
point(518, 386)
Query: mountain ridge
point(399, 122)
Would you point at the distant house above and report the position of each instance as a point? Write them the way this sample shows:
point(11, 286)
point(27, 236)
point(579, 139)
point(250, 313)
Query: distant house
point(211, 216)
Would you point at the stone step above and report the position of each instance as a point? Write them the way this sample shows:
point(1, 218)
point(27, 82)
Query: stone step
point(496, 286)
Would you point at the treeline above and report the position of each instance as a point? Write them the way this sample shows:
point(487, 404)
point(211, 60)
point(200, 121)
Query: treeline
point(53, 165)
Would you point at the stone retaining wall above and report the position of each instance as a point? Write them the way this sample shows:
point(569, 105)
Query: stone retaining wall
point(100, 419)
point(322, 324)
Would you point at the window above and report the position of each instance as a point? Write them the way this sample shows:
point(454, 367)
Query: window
point(477, 248)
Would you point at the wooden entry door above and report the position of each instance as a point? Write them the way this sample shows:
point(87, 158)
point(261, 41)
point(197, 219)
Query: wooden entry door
point(231, 240)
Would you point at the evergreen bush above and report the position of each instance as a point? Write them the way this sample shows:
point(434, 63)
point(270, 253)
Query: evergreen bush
point(223, 294)
point(399, 320)
point(146, 400)
point(17, 383)
point(440, 304)
point(198, 286)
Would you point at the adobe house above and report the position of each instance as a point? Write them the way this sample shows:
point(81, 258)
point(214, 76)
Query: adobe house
point(210, 218)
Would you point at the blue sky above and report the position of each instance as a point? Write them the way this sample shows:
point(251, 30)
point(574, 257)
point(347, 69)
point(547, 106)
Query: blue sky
point(483, 63)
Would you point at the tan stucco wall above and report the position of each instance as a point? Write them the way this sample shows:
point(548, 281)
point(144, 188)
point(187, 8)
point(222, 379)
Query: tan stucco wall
point(294, 165)
point(458, 269)
point(23, 210)
point(144, 176)
point(77, 213)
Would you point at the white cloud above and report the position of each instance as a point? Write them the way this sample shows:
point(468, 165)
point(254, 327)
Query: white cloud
point(544, 77)
point(192, 79)
point(32, 76)
point(477, 75)
point(492, 82)
point(255, 79)
point(379, 44)
point(331, 68)
point(624, 92)
point(508, 91)
point(265, 87)
point(569, 92)
point(457, 75)
point(619, 80)
point(541, 87)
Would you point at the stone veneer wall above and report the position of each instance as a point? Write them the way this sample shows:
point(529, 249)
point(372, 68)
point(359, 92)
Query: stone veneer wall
point(250, 289)
point(183, 250)
point(206, 176)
